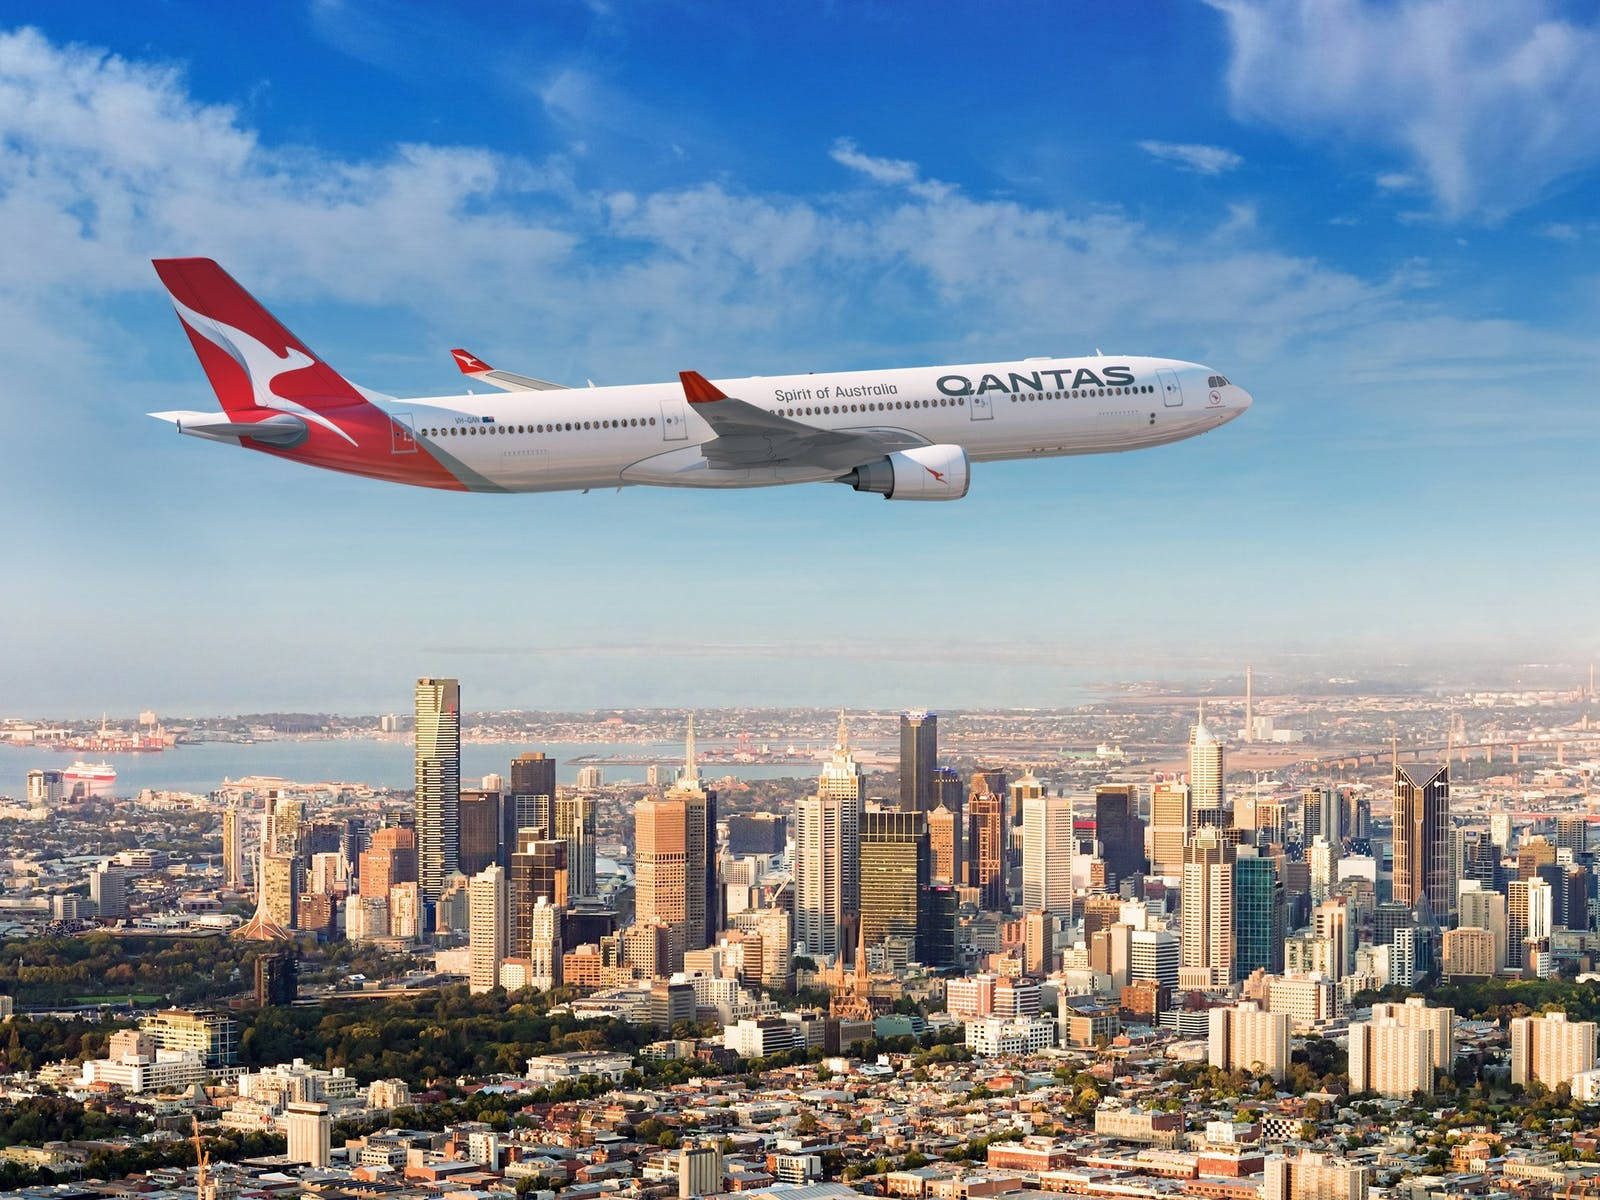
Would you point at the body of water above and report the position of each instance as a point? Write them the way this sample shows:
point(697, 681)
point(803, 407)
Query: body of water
point(379, 762)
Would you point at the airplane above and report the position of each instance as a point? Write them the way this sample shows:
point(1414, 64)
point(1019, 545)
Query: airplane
point(904, 434)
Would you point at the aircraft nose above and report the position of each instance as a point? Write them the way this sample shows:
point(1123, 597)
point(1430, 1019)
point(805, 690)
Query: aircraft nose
point(1241, 399)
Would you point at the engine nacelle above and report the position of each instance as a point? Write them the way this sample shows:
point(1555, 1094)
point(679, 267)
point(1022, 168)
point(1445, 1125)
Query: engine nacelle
point(922, 473)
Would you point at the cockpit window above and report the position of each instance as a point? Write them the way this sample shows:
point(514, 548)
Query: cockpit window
point(1217, 381)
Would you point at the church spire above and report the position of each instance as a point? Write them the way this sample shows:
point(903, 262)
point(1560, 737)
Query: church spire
point(842, 743)
point(691, 773)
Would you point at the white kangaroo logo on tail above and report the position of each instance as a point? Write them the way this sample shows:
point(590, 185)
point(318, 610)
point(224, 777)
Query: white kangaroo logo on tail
point(260, 363)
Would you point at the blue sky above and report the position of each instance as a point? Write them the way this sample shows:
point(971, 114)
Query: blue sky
point(1380, 218)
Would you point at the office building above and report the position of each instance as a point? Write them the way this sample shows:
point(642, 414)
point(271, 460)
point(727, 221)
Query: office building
point(944, 844)
point(1171, 820)
point(1258, 913)
point(212, 1035)
point(1272, 823)
point(1483, 908)
point(280, 888)
point(533, 780)
point(1313, 1177)
point(390, 858)
point(1154, 956)
point(894, 871)
point(1119, 830)
point(1039, 944)
point(309, 1131)
point(919, 756)
point(277, 980)
point(1208, 905)
point(1321, 816)
point(1247, 1038)
point(1047, 851)
point(1322, 858)
point(938, 927)
point(756, 833)
point(1572, 833)
point(986, 849)
point(827, 855)
point(703, 910)
point(108, 888)
point(480, 831)
point(438, 784)
point(545, 947)
point(1550, 1049)
point(487, 917)
point(661, 871)
point(233, 825)
point(1334, 923)
point(539, 871)
point(1530, 916)
point(1423, 873)
point(1207, 796)
point(575, 825)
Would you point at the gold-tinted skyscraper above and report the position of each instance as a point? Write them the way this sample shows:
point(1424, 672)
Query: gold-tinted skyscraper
point(1206, 796)
point(661, 871)
point(438, 800)
point(894, 870)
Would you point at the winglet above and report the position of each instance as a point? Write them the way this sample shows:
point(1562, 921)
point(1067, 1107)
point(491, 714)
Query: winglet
point(699, 389)
point(470, 364)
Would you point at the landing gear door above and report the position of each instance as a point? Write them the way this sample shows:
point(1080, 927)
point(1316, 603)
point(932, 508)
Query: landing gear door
point(1171, 389)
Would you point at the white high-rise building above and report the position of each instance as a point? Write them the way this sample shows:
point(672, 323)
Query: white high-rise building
point(488, 919)
point(310, 1133)
point(1154, 954)
point(1205, 772)
point(545, 952)
point(1248, 1038)
point(827, 855)
point(1550, 1049)
point(1484, 909)
point(1047, 851)
point(1332, 921)
point(1323, 860)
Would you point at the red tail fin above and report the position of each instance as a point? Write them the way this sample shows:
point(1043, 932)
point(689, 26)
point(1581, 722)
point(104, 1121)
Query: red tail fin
point(252, 361)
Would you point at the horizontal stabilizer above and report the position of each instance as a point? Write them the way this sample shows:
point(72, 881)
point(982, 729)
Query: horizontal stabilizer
point(276, 429)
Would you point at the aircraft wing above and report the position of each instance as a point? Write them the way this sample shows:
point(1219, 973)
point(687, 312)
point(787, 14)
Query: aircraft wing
point(748, 436)
point(474, 367)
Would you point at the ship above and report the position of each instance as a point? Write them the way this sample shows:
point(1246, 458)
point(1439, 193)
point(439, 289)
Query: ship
point(87, 781)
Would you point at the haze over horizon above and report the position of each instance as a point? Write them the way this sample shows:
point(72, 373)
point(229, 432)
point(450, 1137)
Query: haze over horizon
point(1399, 264)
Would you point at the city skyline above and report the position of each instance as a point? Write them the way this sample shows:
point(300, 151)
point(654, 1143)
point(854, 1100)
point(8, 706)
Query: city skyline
point(1370, 289)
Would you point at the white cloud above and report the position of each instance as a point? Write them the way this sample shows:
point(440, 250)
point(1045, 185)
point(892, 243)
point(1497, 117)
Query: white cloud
point(1561, 231)
point(880, 170)
point(1493, 100)
point(1204, 160)
point(1396, 181)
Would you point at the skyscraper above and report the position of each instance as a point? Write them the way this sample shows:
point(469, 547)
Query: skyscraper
point(703, 917)
point(919, 756)
point(827, 854)
point(1321, 815)
point(233, 822)
point(1208, 931)
point(486, 900)
point(661, 871)
point(438, 801)
point(1119, 830)
point(1258, 913)
point(544, 946)
point(575, 825)
point(986, 848)
point(1171, 819)
point(539, 871)
point(1207, 795)
point(531, 796)
point(1423, 876)
point(480, 831)
point(944, 843)
point(1047, 849)
point(894, 870)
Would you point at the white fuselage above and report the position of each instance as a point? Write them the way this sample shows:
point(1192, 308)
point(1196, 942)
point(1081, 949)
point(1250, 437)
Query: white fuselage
point(561, 439)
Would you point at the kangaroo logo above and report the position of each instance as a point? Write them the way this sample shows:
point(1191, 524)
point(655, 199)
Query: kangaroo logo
point(259, 362)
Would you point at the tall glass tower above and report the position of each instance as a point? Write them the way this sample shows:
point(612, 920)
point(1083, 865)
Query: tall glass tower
point(438, 784)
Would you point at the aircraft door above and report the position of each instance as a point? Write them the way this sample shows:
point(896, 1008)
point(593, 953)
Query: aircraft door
point(674, 420)
point(402, 439)
point(981, 407)
point(1171, 388)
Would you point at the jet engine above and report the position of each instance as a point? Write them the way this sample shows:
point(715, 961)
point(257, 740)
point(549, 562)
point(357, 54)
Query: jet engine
point(921, 473)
